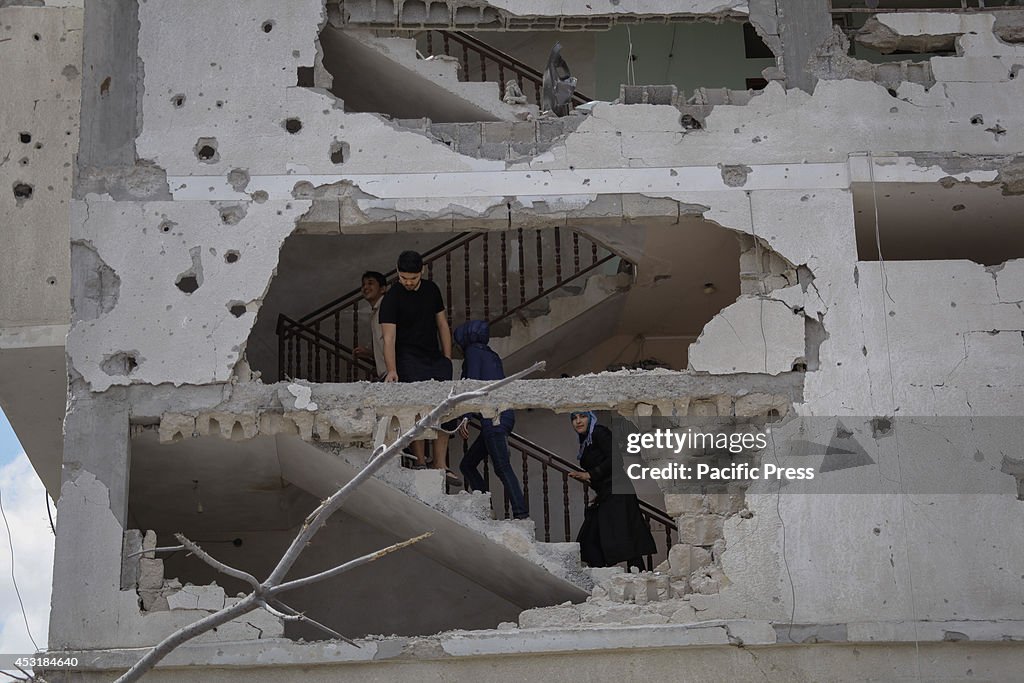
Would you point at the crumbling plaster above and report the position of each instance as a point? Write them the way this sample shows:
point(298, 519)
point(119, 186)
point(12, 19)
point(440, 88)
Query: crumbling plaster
point(812, 227)
point(173, 335)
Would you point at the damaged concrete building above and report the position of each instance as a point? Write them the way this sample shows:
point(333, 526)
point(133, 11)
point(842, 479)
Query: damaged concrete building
point(801, 211)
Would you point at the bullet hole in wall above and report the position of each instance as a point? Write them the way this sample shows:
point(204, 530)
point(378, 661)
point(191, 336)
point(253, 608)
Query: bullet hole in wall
point(339, 152)
point(977, 120)
point(231, 256)
point(268, 26)
point(105, 87)
point(178, 101)
point(36, 37)
point(236, 309)
point(206, 150)
point(22, 192)
point(232, 215)
point(120, 363)
point(25, 138)
point(293, 126)
point(166, 226)
point(187, 283)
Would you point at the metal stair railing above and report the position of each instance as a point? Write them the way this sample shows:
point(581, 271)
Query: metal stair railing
point(663, 528)
point(320, 345)
point(524, 74)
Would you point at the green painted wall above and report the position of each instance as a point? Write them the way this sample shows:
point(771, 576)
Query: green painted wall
point(688, 55)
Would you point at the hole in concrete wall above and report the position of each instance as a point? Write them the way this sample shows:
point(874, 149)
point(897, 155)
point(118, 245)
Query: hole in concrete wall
point(23, 161)
point(260, 196)
point(305, 77)
point(231, 256)
point(178, 101)
point(25, 138)
point(120, 364)
point(166, 226)
point(51, 281)
point(268, 26)
point(939, 221)
point(39, 145)
point(36, 37)
point(339, 152)
point(237, 309)
point(23, 192)
point(618, 317)
point(105, 87)
point(206, 150)
point(187, 283)
point(977, 120)
point(293, 125)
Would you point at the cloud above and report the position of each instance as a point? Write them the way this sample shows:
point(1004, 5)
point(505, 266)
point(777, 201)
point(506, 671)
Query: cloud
point(25, 507)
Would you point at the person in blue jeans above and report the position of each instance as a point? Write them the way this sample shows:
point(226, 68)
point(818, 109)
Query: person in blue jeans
point(481, 362)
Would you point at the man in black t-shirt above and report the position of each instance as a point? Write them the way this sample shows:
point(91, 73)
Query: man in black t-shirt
point(412, 318)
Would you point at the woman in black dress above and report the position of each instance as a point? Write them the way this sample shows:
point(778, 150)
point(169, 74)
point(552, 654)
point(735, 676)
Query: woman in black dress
point(613, 529)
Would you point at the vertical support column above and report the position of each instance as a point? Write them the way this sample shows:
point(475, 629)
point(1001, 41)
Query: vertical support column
point(91, 519)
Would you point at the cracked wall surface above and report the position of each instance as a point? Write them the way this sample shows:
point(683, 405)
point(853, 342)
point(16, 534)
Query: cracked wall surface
point(198, 162)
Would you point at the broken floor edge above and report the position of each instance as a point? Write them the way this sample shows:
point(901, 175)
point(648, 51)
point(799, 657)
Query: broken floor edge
point(529, 642)
point(606, 390)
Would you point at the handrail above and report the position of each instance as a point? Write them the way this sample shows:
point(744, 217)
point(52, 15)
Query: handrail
point(430, 255)
point(531, 451)
point(510, 62)
point(559, 284)
point(515, 274)
point(320, 341)
point(563, 465)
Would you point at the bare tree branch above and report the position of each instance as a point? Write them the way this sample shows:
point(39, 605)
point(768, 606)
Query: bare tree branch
point(351, 564)
point(217, 564)
point(260, 597)
point(295, 614)
point(165, 549)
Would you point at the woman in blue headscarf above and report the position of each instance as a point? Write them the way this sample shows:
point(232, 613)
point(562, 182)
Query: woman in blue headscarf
point(613, 529)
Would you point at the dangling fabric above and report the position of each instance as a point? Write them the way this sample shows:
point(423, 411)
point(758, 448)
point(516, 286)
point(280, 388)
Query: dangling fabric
point(589, 438)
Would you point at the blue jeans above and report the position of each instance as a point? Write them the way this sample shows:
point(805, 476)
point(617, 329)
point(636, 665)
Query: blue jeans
point(495, 443)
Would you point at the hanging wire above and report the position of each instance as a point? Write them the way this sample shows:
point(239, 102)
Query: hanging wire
point(895, 430)
point(10, 542)
point(50, 514)
point(762, 286)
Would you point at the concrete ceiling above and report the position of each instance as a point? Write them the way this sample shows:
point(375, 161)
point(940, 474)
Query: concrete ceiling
point(922, 221)
point(210, 483)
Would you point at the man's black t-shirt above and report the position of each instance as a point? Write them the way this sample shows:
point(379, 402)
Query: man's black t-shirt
point(415, 315)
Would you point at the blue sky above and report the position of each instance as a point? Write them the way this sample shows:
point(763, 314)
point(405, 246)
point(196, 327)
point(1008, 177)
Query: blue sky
point(9, 444)
point(25, 508)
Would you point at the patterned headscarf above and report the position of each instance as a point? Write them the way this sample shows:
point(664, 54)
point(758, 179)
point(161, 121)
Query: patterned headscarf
point(589, 438)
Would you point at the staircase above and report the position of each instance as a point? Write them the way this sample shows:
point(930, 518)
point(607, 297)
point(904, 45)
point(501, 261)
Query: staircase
point(530, 286)
point(385, 75)
point(501, 556)
point(453, 83)
point(528, 562)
